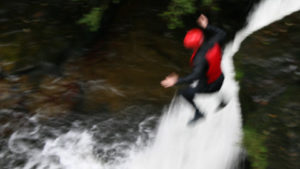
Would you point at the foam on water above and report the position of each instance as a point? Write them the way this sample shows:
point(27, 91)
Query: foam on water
point(72, 150)
point(214, 143)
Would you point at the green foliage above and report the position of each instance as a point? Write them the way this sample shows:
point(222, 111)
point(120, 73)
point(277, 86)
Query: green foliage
point(207, 2)
point(116, 1)
point(238, 75)
point(103, 1)
point(179, 8)
point(176, 10)
point(93, 18)
point(215, 8)
point(257, 152)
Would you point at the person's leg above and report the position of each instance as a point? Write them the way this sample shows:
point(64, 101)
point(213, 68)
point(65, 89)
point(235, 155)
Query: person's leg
point(222, 104)
point(189, 94)
point(215, 87)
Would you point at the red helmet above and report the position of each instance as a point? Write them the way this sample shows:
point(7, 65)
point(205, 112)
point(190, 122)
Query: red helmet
point(193, 38)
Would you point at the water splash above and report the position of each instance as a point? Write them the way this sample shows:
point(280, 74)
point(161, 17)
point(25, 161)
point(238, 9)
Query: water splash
point(214, 143)
point(72, 150)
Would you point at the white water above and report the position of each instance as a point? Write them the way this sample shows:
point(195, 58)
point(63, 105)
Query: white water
point(213, 143)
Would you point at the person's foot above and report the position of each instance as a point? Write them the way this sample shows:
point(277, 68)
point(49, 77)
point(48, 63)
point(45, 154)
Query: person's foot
point(197, 116)
point(221, 105)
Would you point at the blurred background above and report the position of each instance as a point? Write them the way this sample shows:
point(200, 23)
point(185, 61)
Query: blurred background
point(96, 65)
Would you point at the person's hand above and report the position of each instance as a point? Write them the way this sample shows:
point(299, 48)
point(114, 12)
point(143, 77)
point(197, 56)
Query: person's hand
point(170, 80)
point(202, 21)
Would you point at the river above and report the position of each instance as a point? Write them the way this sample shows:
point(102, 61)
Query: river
point(103, 109)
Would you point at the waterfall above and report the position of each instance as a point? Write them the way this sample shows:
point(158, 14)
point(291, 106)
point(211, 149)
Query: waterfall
point(212, 143)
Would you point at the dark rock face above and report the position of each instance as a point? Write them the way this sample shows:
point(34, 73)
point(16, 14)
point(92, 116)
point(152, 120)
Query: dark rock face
point(269, 61)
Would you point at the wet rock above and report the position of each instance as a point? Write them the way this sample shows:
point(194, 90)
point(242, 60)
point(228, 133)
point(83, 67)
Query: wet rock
point(51, 109)
point(54, 96)
point(272, 115)
point(19, 93)
point(272, 81)
point(9, 98)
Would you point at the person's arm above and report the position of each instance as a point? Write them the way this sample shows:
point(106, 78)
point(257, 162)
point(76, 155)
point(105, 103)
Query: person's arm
point(197, 72)
point(173, 79)
point(218, 35)
point(191, 77)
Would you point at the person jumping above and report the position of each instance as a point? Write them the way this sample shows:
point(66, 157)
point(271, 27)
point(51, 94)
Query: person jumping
point(205, 61)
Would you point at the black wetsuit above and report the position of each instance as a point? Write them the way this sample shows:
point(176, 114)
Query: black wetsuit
point(201, 67)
